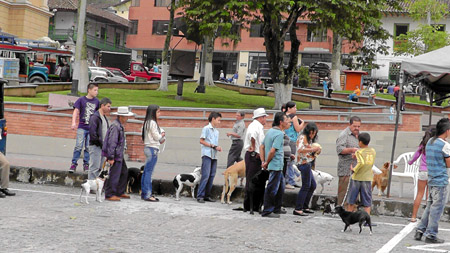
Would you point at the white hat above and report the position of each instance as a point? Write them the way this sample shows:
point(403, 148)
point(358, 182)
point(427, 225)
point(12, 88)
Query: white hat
point(260, 112)
point(123, 111)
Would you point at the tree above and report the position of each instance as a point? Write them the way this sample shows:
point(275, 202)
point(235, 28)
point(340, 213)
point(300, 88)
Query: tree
point(163, 85)
point(427, 37)
point(213, 19)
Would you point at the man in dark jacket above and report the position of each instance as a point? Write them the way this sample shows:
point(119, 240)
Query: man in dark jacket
point(97, 131)
point(113, 149)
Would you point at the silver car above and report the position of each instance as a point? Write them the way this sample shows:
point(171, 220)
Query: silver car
point(108, 77)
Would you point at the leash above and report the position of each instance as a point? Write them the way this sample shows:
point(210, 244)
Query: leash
point(348, 187)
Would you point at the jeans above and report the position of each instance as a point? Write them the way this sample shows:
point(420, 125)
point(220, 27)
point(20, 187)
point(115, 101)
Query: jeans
point(273, 196)
point(95, 161)
point(209, 167)
point(435, 207)
point(150, 162)
point(308, 187)
point(82, 140)
point(291, 173)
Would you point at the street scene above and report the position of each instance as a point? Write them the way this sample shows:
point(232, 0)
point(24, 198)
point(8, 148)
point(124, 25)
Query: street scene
point(202, 125)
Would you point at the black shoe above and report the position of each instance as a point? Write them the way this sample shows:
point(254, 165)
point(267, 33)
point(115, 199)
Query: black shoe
point(282, 211)
point(209, 200)
point(433, 240)
point(7, 192)
point(2, 195)
point(308, 211)
point(201, 201)
point(271, 215)
point(295, 212)
point(418, 235)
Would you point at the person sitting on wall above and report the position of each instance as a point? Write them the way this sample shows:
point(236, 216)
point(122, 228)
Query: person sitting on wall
point(355, 95)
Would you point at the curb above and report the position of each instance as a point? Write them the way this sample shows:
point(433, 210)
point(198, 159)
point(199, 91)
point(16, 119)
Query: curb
point(33, 175)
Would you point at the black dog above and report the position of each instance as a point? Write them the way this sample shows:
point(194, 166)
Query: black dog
point(328, 206)
point(254, 197)
point(134, 180)
point(353, 217)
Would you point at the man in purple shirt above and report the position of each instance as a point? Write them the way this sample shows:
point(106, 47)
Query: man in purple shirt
point(84, 107)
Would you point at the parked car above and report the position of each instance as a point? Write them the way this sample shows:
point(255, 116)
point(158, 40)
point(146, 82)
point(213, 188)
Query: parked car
point(138, 69)
point(98, 75)
point(110, 77)
point(118, 72)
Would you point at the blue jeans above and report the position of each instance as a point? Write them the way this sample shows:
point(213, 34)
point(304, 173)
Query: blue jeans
point(146, 182)
point(435, 207)
point(291, 173)
point(273, 196)
point(308, 187)
point(209, 167)
point(82, 140)
point(95, 161)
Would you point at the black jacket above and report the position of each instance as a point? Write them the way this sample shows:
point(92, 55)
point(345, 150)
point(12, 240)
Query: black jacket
point(95, 130)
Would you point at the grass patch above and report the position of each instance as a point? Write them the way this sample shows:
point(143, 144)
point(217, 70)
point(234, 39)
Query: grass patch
point(214, 97)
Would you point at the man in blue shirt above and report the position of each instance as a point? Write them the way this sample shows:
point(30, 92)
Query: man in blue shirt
point(438, 160)
point(209, 141)
point(272, 154)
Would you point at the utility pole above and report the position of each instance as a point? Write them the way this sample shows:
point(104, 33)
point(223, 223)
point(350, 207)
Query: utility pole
point(201, 85)
point(80, 77)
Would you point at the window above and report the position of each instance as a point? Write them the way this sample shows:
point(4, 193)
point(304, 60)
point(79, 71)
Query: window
point(257, 30)
point(102, 33)
point(316, 33)
point(162, 3)
point(135, 3)
point(134, 27)
point(117, 39)
point(400, 29)
point(160, 27)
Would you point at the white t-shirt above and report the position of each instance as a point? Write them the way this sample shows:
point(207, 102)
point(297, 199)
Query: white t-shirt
point(256, 131)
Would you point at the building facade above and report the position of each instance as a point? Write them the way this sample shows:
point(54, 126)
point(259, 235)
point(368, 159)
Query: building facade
point(149, 20)
point(27, 19)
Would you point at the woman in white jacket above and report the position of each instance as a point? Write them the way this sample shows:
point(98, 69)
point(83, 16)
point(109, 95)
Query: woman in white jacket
point(152, 137)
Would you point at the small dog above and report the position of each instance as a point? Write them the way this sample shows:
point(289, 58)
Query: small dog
point(322, 178)
point(134, 180)
point(381, 180)
point(95, 184)
point(328, 206)
point(191, 179)
point(255, 192)
point(231, 175)
point(350, 218)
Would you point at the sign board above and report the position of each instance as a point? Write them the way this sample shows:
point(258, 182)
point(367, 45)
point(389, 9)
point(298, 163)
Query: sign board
point(182, 63)
point(243, 65)
point(9, 68)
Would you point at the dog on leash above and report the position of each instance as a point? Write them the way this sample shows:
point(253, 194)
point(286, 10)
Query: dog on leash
point(95, 184)
point(350, 218)
point(254, 197)
point(232, 174)
point(191, 179)
point(381, 180)
point(322, 178)
point(134, 180)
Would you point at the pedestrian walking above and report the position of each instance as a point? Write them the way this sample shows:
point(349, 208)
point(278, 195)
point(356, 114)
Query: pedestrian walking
point(422, 176)
point(346, 145)
point(372, 95)
point(237, 136)
point(305, 157)
point(209, 141)
point(252, 142)
point(152, 136)
point(5, 166)
point(325, 87)
point(272, 154)
point(98, 127)
point(84, 107)
point(392, 112)
point(235, 78)
point(248, 76)
point(114, 149)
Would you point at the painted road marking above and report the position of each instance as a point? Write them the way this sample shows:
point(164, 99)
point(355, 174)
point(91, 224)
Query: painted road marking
point(46, 192)
point(431, 247)
point(397, 238)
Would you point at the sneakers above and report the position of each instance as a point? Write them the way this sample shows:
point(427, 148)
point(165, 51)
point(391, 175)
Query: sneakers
point(418, 235)
point(433, 240)
point(73, 168)
point(207, 199)
point(2, 195)
point(201, 201)
point(86, 167)
point(7, 192)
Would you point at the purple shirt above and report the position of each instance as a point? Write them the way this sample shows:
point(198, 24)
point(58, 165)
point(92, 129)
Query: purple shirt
point(423, 159)
point(87, 107)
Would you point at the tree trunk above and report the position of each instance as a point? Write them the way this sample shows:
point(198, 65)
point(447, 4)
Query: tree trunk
point(209, 58)
point(283, 94)
point(163, 83)
point(336, 61)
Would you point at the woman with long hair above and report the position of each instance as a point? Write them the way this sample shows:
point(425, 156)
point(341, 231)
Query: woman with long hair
point(305, 156)
point(152, 136)
point(423, 171)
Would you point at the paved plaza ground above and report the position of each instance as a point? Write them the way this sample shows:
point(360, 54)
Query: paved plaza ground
point(44, 218)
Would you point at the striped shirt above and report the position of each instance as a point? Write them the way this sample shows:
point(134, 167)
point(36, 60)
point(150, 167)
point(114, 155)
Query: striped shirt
point(437, 150)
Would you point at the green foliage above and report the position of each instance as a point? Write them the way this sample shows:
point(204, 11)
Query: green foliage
point(304, 80)
point(424, 39)
point(419, 9)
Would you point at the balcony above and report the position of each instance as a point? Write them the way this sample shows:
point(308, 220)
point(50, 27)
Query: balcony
point(92, 41)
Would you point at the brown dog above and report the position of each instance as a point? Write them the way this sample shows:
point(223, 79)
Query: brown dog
point(231, 175)
point(381, 180)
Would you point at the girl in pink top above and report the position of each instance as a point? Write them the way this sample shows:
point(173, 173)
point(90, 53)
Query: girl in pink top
point(423, 171)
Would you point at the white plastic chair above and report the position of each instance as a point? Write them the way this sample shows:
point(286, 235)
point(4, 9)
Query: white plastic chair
point(409, 172)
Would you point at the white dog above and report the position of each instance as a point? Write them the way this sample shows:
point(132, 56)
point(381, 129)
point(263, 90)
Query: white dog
point(321, 178)
point(191, 179)
point(95, 184)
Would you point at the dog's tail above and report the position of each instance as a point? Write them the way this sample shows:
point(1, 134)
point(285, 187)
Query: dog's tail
point(175, 183)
